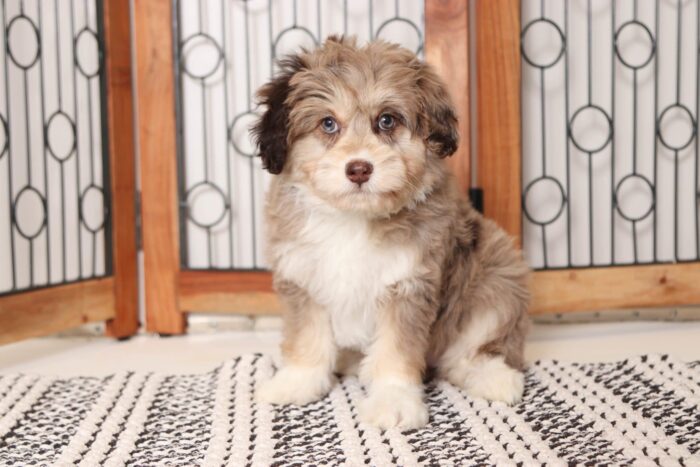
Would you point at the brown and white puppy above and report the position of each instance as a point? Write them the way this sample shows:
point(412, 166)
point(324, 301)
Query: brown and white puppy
point(375, 252)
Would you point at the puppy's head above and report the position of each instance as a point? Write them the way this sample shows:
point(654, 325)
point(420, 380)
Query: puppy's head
point(361, 127)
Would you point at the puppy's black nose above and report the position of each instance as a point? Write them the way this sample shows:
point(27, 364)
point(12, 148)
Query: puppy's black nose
point(358, 171)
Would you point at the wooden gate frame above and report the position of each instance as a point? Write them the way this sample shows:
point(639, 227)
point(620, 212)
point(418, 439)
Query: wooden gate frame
point(499, 159)
point(113, 298)
point(172, 292)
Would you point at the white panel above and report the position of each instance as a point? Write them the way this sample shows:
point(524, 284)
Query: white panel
point(610, 103)
point(51, 171)
point(232, 42)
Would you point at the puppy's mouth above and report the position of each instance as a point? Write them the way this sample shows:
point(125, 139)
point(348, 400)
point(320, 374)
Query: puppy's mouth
point(359, 195)
point(365, 190)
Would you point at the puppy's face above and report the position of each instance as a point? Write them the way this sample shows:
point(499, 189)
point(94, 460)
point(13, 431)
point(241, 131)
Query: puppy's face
point(359, 127)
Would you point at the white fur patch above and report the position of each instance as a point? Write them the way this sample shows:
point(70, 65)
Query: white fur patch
point(295, 385)
point(345, 269)
point(394, 405)
point(491, 379)
point(479, 330)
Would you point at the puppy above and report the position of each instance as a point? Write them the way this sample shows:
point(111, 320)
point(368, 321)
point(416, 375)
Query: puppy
point(384, 267)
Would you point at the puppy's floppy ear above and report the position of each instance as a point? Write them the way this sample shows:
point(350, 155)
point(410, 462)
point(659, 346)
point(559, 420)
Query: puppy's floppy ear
point(438, 113)
point(271, 131)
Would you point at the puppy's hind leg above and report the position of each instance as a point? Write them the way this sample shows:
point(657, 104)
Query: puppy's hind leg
point(486, 359)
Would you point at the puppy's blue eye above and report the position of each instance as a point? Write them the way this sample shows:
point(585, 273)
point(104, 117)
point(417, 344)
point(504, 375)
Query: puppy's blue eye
point(329, 125)
point(386, 122)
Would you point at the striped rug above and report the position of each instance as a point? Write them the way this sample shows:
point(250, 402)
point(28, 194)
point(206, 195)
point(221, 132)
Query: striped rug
point(641, 411)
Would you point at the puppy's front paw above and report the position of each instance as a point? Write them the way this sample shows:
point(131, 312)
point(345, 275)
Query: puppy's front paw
point(295, 385)
point(394, 406)
point(496, 381)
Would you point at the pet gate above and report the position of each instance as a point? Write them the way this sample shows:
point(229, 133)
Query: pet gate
point(67, 212)
point(588, 122)
point(584, 136)
point(202, 202)
point(576, 156)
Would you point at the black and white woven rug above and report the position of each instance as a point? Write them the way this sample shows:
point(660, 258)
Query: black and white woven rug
point(641, 411)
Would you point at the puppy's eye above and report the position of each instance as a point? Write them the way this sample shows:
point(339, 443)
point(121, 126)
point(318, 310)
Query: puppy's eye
point(329, 125)
point(386, 122)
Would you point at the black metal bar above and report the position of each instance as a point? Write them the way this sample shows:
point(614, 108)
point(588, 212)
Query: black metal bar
point(229, 192)
point(612, 147)
point(543, 125)
point(91, 160)
point(568, 142)
point(248, 95)
point(179, 135)
point(589, 29)
point(696, 186)
point(9, 148)
point(105, 139)
point(543, 122)
point(679, 32)
point(656, 130)
point(589, 70)
point(77, 149)
point(476, 196)
point(679, 26)
point(28, 148)
point(45, 153)
point(675, 206)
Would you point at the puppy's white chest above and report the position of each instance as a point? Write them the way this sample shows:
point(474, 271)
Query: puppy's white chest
point(346, 269)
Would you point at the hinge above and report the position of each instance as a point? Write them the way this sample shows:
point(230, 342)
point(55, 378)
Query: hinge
point(138, 222)
point(476, 196)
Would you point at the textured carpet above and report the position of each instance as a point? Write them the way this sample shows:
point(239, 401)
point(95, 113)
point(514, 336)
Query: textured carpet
point(641, 411)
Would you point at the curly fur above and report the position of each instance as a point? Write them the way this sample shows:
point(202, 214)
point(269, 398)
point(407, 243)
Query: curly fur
point(400, 272)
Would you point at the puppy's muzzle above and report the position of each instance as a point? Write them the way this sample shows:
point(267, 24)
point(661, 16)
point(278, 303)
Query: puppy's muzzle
point(358, 171)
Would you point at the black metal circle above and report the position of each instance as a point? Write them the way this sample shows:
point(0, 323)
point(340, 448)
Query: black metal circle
point(231, 129)
point(545, 178)
point(284, 31)
point(14, 23)
point(415, 28)
point(78, 38)
point(6, 133)
point(49, 145)
point(218, 191)
point(207, 40)
point(92, 188)
point(15, 218)
point(691, 137)
point(608, 120)
point(616, 197)
point(652, 51)
point(562, 49)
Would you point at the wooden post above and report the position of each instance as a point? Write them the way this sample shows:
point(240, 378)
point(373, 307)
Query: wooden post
point(498, 87)
point(447, 49)
point(157, 143)
point(122, 168)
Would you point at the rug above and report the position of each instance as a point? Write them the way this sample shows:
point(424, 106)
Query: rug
point(641, 411)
